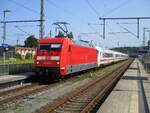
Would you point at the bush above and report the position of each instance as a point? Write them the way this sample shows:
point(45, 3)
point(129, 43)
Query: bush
point(18, 56)
point(29, 56)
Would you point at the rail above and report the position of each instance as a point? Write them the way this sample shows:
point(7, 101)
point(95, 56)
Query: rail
point(81, 100)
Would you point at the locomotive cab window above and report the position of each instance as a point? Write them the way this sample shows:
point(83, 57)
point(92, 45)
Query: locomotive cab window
point(44, 47)
point(55, 47)
point(50, 47)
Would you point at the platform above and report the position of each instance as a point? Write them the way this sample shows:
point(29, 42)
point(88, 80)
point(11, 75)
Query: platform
point(131, 94)
point(9, 80)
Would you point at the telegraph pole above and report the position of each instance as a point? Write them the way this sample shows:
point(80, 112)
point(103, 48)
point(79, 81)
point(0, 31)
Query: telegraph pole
point(41, 33)
point(144, 37)
point(103, 28)
point(138, 28)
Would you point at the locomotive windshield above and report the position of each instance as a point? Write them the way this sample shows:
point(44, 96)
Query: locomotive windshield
point(50, 47)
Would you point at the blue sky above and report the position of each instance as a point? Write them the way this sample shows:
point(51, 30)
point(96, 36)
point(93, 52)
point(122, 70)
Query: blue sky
point(78, 13)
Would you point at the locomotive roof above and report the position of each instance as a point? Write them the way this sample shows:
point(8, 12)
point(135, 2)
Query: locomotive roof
point(61, 39)
point(50, 40)
point(83, 43)
point(109, 51)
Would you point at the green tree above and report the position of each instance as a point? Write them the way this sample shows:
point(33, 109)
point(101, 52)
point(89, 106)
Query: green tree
point(18, 56)
point(29, 56)
point(70, 35)
point(31, 42)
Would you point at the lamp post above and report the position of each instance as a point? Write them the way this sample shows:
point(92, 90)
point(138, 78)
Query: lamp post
point(4, 29)
point(4, 26)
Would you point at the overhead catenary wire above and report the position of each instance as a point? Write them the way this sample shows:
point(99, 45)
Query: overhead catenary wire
point(127, 30)
point(111, 29)
point(27, 8)
point(23, 6)
point(95, 30)
point(116, 8)
point(27, 25)
point(50, 2)
point(23, 31)
point(90, 5)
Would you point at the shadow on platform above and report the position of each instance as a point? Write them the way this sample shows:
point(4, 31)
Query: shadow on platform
point(134, 78)
point(131, 68)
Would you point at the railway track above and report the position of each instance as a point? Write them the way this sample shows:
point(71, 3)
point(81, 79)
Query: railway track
point(10, 96)
point(13, 95)
point(84, 99)
point(24, 91)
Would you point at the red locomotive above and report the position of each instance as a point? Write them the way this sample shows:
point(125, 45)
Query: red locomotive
point(57, 57)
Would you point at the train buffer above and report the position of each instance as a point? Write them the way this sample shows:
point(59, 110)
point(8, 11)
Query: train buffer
point(131, 94)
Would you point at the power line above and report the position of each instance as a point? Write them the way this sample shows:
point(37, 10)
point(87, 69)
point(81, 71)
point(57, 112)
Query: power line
point(22, 30)
point(111, 29)
point(116, 8)
point(27, 8)
point(96, 24)
point(23, 6)
point(127, 23)
point(90, 5)
point(118, 32)
point(58, 7)
point(28, 25)
point(90, 33)
point(128, 30)
point(95, 30)
point(123, 18)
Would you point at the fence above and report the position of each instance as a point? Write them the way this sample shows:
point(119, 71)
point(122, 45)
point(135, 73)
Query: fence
point(145, 59)
point(15, 68)
point(4, 69)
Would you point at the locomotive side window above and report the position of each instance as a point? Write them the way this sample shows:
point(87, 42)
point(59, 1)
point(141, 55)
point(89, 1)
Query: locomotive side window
point(44, 47)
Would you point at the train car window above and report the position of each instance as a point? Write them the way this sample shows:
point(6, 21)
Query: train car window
point(44, 47)
point(107, 55)
point(56, 47)
point(117, 55)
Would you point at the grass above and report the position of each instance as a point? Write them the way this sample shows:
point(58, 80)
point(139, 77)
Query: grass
point(17, 62)
point(17, 107)
point(95, 73)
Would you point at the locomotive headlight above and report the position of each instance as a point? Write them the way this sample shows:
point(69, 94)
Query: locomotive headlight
point(55, 57)
point(57, 62)
point(62, 68)
point(37, 62)
point(41, 57)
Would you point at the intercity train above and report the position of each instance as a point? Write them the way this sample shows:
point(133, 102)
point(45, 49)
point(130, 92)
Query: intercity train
point(58, 57)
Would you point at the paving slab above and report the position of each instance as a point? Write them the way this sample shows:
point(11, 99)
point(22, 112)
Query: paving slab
point(131, 93)
point(13, 80)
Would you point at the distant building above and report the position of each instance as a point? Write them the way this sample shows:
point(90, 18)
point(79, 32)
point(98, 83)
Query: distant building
point(23, 51)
